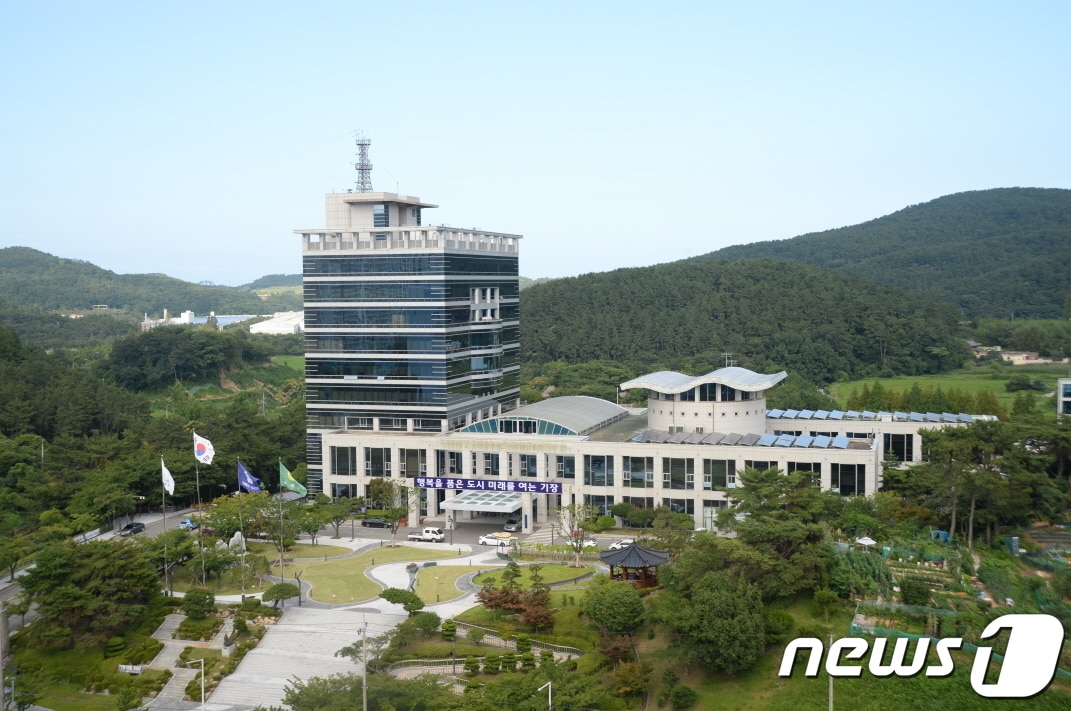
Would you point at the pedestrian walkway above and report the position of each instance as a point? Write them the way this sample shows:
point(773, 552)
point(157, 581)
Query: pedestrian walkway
point(168, 658)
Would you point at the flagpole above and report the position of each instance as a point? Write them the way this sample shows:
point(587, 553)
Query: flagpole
point(200, 538)
point(163, 508)
point(282, 565)
point(241, 527)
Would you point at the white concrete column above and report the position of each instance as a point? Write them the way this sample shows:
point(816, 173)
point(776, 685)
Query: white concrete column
point(433, 502)
point(414, 512)
point(542, 475)
point(526, 513)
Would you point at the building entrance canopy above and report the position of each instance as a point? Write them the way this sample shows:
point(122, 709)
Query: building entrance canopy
point(485, 501)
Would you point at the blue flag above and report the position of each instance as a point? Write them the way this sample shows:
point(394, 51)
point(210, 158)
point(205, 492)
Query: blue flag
point(247, 481)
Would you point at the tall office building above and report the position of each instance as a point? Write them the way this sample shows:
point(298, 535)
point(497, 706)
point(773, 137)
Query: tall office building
point(408, 328)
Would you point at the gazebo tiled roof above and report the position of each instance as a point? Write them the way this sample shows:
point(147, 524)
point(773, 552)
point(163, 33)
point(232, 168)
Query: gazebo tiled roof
point(634, 556)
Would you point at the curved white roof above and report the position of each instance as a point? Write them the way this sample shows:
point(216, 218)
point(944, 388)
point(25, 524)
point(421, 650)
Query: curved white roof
point(670, 381)
point(579, 413)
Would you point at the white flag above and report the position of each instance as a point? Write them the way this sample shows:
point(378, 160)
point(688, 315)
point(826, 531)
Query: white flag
point(169, 483)
point(203, 451)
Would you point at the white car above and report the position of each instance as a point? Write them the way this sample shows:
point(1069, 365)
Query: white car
point(497, 539)
point(586, 543)
point(623, 543)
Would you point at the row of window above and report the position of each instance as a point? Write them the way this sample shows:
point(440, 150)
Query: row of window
point(388, 316)
point(423, 265)
point(394, 394)
point(708, 392)
point(411, 343)
point(403, 291)
point(598, 470)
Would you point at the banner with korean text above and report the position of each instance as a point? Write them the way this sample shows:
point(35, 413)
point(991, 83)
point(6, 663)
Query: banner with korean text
point(524, 487)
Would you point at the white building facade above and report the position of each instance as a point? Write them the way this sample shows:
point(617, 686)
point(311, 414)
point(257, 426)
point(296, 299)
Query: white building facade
point(684, 451)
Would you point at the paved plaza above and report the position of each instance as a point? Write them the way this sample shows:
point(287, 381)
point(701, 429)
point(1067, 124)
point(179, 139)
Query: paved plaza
point(303, 643)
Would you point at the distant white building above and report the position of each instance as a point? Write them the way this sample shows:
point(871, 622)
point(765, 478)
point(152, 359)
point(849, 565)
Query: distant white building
point(281, 323)
point(1063, 398)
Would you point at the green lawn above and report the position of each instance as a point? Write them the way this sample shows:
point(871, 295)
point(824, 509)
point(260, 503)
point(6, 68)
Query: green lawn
point(551, 572)
point(294, 362)
point(969, 380)
point(439, 583)
point(344, 580)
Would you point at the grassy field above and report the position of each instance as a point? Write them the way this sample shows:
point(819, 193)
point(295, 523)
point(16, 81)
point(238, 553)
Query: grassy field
point(294, 362)
point(551, 572)
point(344, 580)
point(991, 377)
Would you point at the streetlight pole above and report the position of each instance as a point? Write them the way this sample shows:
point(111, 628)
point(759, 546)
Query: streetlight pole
point(202, 661)
point(549, 688)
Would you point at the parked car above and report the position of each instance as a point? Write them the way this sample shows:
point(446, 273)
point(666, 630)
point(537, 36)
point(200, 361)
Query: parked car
point(374, 522)
point(189, 524)
point(498, 539)
point(131, 528)
point(623, 543)
point(512, 524)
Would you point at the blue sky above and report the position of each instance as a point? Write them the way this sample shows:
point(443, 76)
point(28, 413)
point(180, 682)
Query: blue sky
point(192, 138)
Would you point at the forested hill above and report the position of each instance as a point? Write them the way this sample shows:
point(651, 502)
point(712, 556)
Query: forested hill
point(36, 280)
point(999, 253)
point(769, 314)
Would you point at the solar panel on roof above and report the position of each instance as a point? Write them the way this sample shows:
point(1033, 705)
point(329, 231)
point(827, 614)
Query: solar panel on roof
point(749, 439)
point(767, 440)
point(732, 438)
point(949, 417)
point(677, 438)
point(821, 441)
point(694, 438)
point(841, 442)
point(784, 441)
point(792, 414)
point(713, 438)
point(933, 417)
point(774, 413)
point(852, 414)
point(806, 414)
point(821, 415)
point(836, 415)
point(964, 417)
point(916, 417)
point(804, 441)
point(869, 415)
point(900, 415)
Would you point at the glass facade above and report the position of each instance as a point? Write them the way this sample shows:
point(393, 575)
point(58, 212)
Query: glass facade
point(407, 338)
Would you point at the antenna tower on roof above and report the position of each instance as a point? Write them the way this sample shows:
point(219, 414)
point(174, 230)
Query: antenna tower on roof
point(363, 166)
point(729, 362)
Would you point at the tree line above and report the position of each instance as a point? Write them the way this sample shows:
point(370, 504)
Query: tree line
point(990, 253)
point(771, 315)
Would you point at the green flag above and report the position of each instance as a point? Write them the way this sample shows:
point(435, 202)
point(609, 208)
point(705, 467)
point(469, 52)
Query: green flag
point(286, 481)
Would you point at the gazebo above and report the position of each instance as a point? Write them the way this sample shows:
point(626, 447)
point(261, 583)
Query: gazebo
point(635, 564)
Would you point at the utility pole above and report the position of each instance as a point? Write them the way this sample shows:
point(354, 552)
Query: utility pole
point(3, 653)
point(830, 676)
point(364, 667)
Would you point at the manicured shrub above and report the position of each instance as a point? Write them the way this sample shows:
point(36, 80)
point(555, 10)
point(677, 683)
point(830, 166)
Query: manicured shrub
point(115, 647)
point(682, 697)
point(199, 603)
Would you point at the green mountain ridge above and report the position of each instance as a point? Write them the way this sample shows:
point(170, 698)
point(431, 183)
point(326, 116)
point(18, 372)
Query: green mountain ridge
point(770, 314)
point(33, 279)
point(1000, 253)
